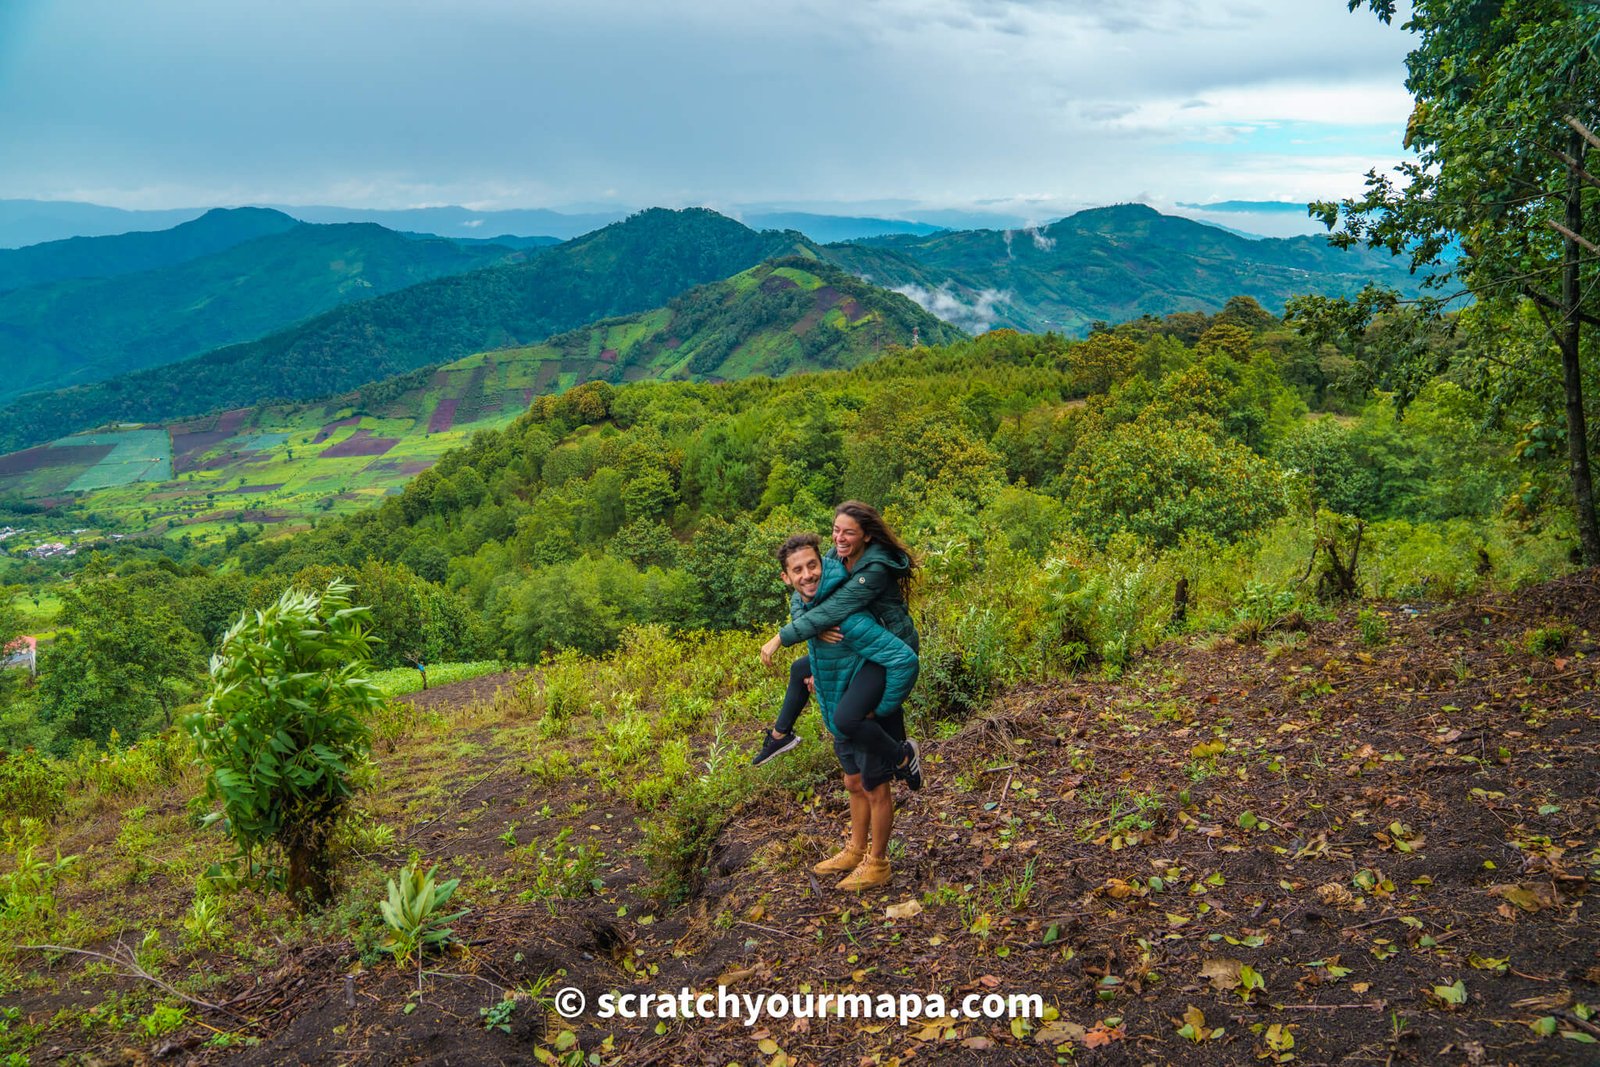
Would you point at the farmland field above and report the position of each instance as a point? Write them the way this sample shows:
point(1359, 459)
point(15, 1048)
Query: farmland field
point(281, 466)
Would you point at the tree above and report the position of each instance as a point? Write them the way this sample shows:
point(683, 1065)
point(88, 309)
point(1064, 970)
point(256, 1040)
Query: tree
point(123, 655)
point(283, 726)
point(1506, 105)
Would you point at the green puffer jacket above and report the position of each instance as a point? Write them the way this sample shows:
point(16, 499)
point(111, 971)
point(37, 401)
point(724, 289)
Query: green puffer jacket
point(834, 665)
point(874, 585)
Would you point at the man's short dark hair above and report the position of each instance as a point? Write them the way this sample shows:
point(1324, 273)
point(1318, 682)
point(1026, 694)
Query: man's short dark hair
point(795, 544)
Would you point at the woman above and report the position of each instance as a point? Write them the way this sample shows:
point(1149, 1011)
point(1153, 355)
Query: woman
point(881, 570)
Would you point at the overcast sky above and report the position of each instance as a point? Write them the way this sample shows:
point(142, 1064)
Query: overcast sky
point(1035, 106)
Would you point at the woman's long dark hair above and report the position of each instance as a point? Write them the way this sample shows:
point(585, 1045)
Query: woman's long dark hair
point(873, 526)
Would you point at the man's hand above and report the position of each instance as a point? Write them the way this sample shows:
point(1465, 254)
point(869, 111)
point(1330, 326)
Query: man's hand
point(832, 635)
point(770, 649)
point(811, 683)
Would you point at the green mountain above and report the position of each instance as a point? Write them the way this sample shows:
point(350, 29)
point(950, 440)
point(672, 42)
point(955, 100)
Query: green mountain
point(130, 253)
point(85, 330)
point(1107, 264)
point(630, 266)
point(285, 463)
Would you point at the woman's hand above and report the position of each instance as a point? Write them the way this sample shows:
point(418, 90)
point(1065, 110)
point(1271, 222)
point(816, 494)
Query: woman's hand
point(770, 649)
point(811, 684)
point(832, 635)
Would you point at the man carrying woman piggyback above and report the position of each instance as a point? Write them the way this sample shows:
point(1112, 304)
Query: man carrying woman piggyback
point(851, 605)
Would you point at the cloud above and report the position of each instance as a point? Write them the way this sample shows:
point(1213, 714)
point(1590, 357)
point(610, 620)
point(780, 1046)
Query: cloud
point(974, 317)
point(505, 103)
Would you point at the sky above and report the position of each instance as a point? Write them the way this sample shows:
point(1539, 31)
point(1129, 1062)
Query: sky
point(887, 107)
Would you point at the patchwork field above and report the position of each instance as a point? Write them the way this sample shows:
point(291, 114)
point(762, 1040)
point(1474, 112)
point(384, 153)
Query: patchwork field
point(280, 466)
point(286, 465)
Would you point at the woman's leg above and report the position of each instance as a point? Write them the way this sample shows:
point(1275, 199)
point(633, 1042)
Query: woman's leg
point(851, 717)
point(795, 697)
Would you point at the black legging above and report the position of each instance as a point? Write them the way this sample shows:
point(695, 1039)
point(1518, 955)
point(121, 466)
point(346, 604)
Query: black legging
point(850, 717)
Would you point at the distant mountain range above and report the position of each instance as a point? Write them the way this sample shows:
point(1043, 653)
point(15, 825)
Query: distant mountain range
point(627, 267)
point(28, 222)
point(1107, 264)
point(92, 308)
point(367, 322)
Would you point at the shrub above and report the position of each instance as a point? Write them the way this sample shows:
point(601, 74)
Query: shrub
point(1159, 481)
point(283, 726)
point(677, 843)
point(31, 785)
point(140, 768)
point(1374, 627)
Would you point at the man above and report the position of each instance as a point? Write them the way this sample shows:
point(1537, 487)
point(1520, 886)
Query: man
point(867, 664)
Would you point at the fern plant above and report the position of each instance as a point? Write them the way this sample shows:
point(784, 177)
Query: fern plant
point(412, 912)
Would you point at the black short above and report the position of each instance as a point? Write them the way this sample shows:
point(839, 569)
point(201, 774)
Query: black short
point(856, 760)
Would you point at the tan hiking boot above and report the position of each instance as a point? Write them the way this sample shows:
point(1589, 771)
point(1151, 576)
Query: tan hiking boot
point(869, 874)
point(845, 860)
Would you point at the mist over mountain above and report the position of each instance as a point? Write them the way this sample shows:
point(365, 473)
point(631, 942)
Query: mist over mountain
point(1107, 264)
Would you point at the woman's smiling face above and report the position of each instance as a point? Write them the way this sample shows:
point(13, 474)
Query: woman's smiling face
point(848, 540)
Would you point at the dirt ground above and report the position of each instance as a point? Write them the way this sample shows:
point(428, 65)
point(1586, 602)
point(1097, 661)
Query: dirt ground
point(1372, 843)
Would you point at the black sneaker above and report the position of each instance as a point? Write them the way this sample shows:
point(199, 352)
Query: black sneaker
point(911, 770)
point(774, 746)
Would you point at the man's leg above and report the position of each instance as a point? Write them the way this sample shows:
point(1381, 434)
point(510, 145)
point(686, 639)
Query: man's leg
point(876, 789)
point(863, 822)
point(848, 858)
point(880, 804)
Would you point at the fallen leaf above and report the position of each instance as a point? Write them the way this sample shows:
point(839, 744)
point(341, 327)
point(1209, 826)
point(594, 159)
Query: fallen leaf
point(730, 977)
point(1335, 894)
point(1528, 896)
point(1058, 1033)
point(904, 910)
point(1101, 1036)
point(1222, 972)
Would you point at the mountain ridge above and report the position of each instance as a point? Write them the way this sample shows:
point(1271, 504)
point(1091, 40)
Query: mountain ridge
point(630, 266)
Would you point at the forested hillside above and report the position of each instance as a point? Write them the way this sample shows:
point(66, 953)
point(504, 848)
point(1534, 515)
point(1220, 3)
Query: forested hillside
point(90, 329)
point(129, 253)
point(627, 267)
point(1109, 265)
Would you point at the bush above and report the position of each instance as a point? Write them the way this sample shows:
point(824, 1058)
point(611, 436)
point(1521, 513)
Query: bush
point(677, 842)
point(31, 785)
point(285, 724)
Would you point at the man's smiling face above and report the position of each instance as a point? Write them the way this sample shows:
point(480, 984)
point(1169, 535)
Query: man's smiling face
point(802, 572)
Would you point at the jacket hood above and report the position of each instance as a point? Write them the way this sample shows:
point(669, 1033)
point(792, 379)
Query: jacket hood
point(891, 558)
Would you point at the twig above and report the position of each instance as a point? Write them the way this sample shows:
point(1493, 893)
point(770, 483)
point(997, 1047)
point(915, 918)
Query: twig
point(133, 970)
point(1374, 1006)
point(771, 930)
point(459, 798)
point(1582, 1024)
point(1375, 922)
